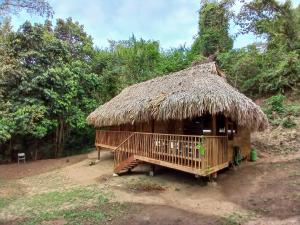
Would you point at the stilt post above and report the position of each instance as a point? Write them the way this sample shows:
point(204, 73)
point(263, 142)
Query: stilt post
point(98, 148)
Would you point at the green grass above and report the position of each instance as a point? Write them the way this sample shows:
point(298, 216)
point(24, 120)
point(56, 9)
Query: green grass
point(237, 218)
point(4, 202)
point(55, 199)
point(77, 205)
point(100, 212)
point(10, 192)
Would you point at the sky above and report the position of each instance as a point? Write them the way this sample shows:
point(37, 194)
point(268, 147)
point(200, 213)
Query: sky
point(171, 22)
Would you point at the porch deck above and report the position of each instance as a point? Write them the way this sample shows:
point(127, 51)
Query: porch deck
point(170, 150)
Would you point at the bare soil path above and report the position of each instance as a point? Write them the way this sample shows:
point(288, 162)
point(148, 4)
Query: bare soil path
point(15, 171)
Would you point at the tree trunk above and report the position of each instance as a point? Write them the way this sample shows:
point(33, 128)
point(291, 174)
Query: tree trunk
point(59, 138)
point(36, 153)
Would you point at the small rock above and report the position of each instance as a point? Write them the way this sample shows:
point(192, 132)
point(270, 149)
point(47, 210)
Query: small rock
point(212, 184)
point(151, 173)
point(92, 163)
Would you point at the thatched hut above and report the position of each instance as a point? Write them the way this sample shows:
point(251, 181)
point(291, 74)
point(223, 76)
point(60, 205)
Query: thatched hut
point(191, 120)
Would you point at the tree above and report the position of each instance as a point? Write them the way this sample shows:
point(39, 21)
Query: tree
point(275, 65)
point(278, 22)
point(174, 59)
point(39, 7)
point(243, 68)
point(47, 85)
point(213, 36)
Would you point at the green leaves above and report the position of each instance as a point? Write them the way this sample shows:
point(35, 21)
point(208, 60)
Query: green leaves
point(47, 80)
point(201, 149)
point(213, 36)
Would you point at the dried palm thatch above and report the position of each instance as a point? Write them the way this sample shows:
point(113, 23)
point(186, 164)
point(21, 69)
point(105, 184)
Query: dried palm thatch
point(185, 94)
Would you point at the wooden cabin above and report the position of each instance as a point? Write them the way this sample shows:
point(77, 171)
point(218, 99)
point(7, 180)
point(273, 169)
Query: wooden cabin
point(191, 120)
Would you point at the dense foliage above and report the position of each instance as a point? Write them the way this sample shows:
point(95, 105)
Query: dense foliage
point(213, 36)
point(39, 7)
point(272, 66)
point(52, 76)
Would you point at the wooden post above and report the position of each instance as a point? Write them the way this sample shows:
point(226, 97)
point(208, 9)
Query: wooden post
point(226, 126)
point(214, 175)
point(98, 148)
point(152, 170)
point(152, 126)
point(214, 125)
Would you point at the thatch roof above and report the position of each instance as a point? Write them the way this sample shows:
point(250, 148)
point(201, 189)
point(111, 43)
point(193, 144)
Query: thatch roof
point(185, 94)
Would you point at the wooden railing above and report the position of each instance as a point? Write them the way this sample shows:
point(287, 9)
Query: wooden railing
point(111, 139)
point(180, 151)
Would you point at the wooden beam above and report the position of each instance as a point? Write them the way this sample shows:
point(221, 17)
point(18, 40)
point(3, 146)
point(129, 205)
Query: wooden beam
point(203, 172)
point(106, 146)
point(98, 148)
point(226, 125)
point(214, 125)
point(152, 126)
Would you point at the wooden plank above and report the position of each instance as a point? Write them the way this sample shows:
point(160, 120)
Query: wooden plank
point(124, 163)
point(182, 168)
point(106, 146)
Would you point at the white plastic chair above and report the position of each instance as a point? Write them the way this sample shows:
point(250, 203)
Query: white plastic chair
point(21, 156)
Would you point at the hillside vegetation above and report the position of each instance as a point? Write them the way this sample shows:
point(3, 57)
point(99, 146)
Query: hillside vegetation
point(52, 76)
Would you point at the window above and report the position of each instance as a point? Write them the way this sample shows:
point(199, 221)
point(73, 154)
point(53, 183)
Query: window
point(221, 125)
point(198, 125)
point(232, 130)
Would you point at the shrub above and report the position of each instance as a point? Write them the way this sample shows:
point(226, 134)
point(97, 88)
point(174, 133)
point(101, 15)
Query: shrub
point(288, 122)
point(275, 104)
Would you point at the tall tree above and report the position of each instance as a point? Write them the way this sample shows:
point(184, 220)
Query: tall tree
point(274, 65)
point(38, 7)
point(277, 22)
point(213, 35)
point(46, 83)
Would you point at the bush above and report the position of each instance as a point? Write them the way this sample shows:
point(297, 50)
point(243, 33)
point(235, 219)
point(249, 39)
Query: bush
point(281, 113)
point(288, 122)
point(275, 104)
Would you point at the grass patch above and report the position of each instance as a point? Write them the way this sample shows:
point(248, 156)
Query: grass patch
point(55, 199)
point(75, 206)
point(79, 216)
point(145, 185)
point(9, 192)
point(4, 202)
point(238, 218)
point(66, 199)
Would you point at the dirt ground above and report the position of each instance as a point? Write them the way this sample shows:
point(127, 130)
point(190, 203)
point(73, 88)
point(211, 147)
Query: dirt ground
point(264, 192)
point(15, 171)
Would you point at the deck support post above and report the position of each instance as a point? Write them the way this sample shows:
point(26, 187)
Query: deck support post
point(98, 148)
point(151, 172)
point(214, 125)
point(214, 175)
